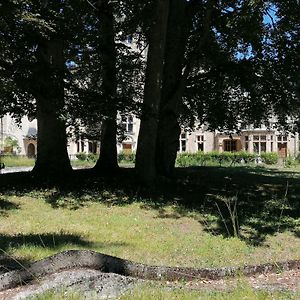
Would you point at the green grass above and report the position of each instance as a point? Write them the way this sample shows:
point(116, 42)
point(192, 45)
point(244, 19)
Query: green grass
point(17, 161)
point(182, 227)
point(176, 224)
point(242, 291)
point(23, 161)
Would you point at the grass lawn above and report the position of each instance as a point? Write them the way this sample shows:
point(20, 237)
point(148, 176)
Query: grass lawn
point(23, 161)
point(17, 161)
point(184, 222)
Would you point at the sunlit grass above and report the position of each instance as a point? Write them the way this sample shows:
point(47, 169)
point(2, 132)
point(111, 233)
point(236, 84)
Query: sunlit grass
point(34, 229)
point(17, 161)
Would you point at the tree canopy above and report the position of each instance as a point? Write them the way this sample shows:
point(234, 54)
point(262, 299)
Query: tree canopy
point(224, 63)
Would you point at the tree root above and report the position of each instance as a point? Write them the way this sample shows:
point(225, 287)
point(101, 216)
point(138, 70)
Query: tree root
point(86, 259)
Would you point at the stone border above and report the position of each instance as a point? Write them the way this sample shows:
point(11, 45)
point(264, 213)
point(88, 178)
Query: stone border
point(87, 259)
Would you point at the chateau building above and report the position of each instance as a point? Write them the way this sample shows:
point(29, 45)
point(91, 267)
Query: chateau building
point(253, 140)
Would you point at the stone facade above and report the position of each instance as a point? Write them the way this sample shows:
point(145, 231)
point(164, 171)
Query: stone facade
point(253, 140)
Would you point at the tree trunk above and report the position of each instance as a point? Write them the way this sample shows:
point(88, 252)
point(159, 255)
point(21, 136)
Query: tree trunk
point(108, 160)
point(52, 156)
point(168, 128)
point(146, 150)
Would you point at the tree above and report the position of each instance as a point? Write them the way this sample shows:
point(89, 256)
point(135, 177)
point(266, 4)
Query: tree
point(108, 161)
point(39, 35)
point(145, 158)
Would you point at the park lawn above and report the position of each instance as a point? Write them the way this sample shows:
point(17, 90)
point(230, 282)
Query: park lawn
point(184, 229)
point(23, 161)
point(17, 161)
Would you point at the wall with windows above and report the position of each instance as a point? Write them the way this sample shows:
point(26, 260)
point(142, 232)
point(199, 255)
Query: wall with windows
point(130, 125)
point(254, 141)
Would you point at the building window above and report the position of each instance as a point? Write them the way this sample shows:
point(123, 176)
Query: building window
point(92, 147)
point(200, 142)
point(282, 138)
point(127, 123)
point(259, 144)
point(230, 145)
point(182, 142)
point(246, 142)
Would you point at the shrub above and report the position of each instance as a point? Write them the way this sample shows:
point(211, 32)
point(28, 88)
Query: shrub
point(186, 159)
point(81, 156)
point(270, 158)
point(92, 157)
point(126, 157)
point(290, 162)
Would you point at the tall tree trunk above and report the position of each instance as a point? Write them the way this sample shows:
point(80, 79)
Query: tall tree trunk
point(172, 92)
point(52, 156)
point(108, 161)
point(145, 157)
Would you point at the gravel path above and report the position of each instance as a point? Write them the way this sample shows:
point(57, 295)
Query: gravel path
point(15, 170)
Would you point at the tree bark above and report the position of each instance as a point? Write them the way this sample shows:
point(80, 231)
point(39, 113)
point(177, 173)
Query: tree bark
point(172, 93)
point(146, 150)
point(52, 156)
point(108, 160)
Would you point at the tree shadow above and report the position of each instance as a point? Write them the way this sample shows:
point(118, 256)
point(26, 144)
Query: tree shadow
point(5, 206)
point(267, 199)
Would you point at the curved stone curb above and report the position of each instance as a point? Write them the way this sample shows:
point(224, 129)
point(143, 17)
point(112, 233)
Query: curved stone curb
point(74, 259)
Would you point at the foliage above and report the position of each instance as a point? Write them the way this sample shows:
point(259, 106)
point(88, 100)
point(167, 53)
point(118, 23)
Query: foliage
point(126, 157)
point(92, 157)
point(11, 142)
point(290, 162)
point(81, 156)
point(200, 158)
point(269, 158)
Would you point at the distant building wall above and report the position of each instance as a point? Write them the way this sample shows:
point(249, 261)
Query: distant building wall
point(257, 140)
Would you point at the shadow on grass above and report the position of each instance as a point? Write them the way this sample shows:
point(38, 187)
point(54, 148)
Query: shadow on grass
point(267, 199)
point(54, 241)
point(5, 206)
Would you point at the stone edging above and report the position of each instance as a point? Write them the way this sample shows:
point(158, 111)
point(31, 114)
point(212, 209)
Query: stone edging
point(86, 259)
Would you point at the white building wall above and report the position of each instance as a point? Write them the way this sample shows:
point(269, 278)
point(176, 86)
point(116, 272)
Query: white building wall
point(19, 131)
point(211, 140)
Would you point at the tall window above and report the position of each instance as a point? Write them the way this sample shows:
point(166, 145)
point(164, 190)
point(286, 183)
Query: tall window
point(127, 123)
point(230, 145)
point(246, 143)
point(200, 142)
point(182, 142)
point(259, 143)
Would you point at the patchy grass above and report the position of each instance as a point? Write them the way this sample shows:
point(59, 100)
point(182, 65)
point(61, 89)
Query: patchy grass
point(242, 291)
point(154, 231)
point(23, 161)
point(17, 161)
point(176, 224)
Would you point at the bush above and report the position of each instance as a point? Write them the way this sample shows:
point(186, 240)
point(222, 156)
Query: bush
point(290, 162)
point(186, 159)
point(81, 156)
point(270, 158)
point(126, 157)
point(92, 157)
